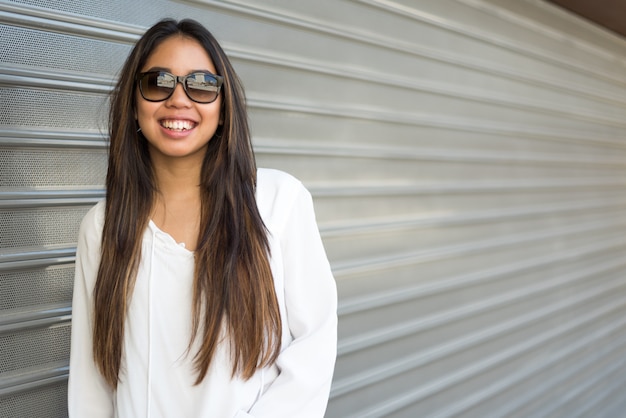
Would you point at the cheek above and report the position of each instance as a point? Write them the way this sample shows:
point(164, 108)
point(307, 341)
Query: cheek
point(143, 108)
point(143, 113)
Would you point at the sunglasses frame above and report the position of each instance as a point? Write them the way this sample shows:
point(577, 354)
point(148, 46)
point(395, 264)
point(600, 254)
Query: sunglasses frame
point(182, 79)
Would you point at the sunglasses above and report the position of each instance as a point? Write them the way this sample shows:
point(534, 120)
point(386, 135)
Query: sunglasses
point(201, 86)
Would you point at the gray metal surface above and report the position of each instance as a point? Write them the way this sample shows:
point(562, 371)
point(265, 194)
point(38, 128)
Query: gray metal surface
point(468, 164)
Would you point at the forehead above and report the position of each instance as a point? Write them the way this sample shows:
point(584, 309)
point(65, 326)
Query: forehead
point(179, 55)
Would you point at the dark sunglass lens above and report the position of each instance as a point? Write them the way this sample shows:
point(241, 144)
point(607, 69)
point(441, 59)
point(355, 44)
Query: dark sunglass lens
point(202, 87)
point(157, 85)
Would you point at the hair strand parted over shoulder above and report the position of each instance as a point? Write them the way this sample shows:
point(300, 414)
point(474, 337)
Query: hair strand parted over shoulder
point(233, 288)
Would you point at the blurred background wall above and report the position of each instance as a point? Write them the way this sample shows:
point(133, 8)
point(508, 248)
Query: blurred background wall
point(468, 164)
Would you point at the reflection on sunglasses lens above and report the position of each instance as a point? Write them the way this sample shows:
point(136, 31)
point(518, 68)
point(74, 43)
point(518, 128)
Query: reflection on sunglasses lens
point(159, 85)
point(165, 80)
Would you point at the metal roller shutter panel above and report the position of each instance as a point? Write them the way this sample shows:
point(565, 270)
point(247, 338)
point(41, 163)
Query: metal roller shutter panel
point(468, 165)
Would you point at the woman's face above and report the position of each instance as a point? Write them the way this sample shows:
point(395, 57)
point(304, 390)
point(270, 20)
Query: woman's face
point(178, 129)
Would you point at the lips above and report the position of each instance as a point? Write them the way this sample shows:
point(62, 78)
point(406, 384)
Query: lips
point(178, 124)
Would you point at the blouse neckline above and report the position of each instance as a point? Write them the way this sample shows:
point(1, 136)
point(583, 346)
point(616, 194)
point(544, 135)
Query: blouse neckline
point(168, 239)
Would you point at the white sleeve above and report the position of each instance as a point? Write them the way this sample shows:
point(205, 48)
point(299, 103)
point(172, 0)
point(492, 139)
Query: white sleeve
point(306, 365)
point(88, 393)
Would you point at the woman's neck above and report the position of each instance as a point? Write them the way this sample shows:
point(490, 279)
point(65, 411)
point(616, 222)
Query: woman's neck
point(177, 205)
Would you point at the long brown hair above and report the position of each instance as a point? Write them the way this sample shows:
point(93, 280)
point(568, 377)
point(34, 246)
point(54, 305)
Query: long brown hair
point(233, 287)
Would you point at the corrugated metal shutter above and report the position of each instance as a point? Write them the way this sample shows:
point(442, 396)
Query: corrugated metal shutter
point(468, 163)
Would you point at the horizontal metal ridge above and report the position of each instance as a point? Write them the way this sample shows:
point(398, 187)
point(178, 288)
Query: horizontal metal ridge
point(35, 323)
point(51, 79)
point(286, 147)
point(350, 306)
point(46, 198)
point(413, 395)
point(437, 121)
point(30, 259)
point(39, 253)
point(33, 379)
point(66, 23)
point(356, 266)
point(445, 219)
point(411, 327)
point(24, 137)
point(43, 316)
point(450, 187)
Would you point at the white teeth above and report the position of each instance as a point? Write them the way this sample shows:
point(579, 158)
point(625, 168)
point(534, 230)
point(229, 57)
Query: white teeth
point(177, 125)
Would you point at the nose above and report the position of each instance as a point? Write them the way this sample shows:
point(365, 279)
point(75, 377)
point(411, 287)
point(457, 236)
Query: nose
point(179, 97)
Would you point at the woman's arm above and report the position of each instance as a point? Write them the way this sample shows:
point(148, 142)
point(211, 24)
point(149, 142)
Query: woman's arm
point(88, 393)
point(307, 364)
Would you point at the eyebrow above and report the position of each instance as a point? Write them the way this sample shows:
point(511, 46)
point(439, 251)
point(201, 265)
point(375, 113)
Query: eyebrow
point(203, 70)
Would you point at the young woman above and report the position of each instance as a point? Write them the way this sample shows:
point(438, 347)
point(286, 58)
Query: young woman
point(202, 287)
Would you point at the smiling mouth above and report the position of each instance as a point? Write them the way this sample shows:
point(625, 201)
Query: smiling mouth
point(178, 125)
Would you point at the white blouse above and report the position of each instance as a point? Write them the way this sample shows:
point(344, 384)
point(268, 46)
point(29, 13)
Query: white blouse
point(157, 375)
